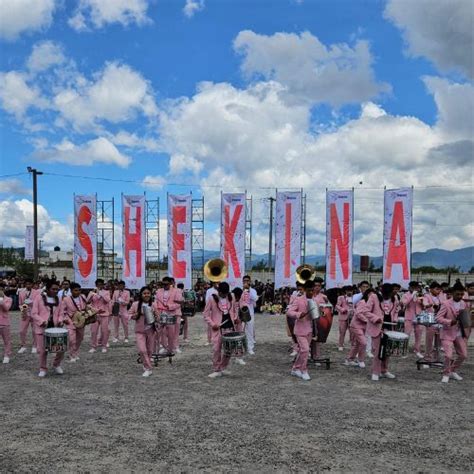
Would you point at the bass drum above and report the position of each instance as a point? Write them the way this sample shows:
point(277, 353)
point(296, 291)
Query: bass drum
point(324, 322)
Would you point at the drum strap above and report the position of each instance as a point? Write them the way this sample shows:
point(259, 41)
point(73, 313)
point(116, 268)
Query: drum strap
point(75, 304)
point(383, 347)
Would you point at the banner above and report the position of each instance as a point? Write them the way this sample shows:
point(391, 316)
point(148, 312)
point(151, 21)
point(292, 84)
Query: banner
point(339, 237)
point(133, 241)
point(85, 240)
point(233, 208)
point(179, 239)
point(287, 237)
point(29, 242)
point(397, 232)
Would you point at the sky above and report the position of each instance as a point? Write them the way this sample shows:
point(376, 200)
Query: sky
point(174, 96)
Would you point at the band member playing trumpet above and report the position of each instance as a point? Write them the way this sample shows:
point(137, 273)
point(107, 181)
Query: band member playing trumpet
point(121, 297)
point(99, 299)
point(220, 314)
point(431, 304)
point(303, 330)
point(320, 299)
point(451, 334)
point(25, 299)
point(412, 301)
point(5, 305)
point(46, 313)
point(345, 311)
point(145, 334)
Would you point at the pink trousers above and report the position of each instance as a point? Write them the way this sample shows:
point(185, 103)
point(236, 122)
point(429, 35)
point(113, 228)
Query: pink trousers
point(146, 345)
point(301, 361)
point(75, 336)
point(418, 329)
point(359, 345)
point(7, 340)
point(219, 360)
point(430, 352)
point(103, 324)
point(121, 318)
point(458, 345)
point(378, 366)
point(58, 357)
point(343, 328)
point(176, 333)
point(24, 324)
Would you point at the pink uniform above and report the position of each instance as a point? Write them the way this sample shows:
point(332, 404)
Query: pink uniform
point(213, 313)
point(431, 304)
point(41, 313)
point(27, 297)
point(69, 306)
point(122, 297)
point(345, 311)
point(358, 327)
point(320, 298)
point(5, 305)
point(169, 302)
point(413, 306)
point(451, 337)
point(145, 335)
point(100, 301)
point(303, 330)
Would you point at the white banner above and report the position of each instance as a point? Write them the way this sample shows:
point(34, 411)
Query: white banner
point(287, 237)
point(398, 220)
point(339, 237)
point(29, 242)
point(133, 241)
point(233, 207)
point(85, 240)
point(179, 239)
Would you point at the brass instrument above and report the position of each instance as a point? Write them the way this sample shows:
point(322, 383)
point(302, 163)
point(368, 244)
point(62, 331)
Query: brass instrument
point(305, 272)
point(24, 307)
point(215, 270)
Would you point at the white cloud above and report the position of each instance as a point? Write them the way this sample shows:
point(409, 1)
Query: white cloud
point(98, 150)
point(442, 31)
point(181, 164)
point(154, 182)
point(116, 94)
point(193, 6)
point(13, 187)
point(132, 140)
point(44, 55)
point(23, 16)
point(309, 70)
point(99, 13)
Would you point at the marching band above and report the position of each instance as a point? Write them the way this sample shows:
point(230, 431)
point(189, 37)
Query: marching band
point(379, 321)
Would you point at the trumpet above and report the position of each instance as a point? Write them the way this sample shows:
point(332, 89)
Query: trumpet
point(215, 270)
point(24, 307)
point(305, 272)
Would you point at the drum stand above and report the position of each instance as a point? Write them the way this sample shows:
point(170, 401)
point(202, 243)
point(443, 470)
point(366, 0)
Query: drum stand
point(437, 349)
point(322, 360)
point(155, 358)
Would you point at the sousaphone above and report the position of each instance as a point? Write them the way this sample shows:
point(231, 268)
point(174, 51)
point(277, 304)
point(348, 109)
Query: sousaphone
point(305, 272)
point(215, 270)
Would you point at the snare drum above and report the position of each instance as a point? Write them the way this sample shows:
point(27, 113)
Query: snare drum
point(234, 344)
point(401, 324)
point(167, 319)
point(55, 340)
point(397, 343)
point(426, 319)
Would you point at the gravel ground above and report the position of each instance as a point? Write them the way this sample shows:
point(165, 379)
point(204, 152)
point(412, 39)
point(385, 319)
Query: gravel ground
point(102, 416)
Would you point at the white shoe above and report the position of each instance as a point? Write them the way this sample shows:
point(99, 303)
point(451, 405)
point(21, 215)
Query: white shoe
point(305, 376)
point(115, 340)
point(22, 350)
point(425, 366)
point(370, 355)
point(215, 375)
point(125, 340)
point(445, 379)
point(252, 353)
point(185, 340)
point(207, 344)
point(387, 375)
point(91, 351)
point(178, 351)
point(340, 349)
point(361, 365)
point(226, 372)
point(419, 355)
point(108, 345)
point(59, 370)
point(455, 376)
point(240, 361)
point(147, 373)
point(6, 360)
point(42, 373)
point(104, 350)
point(34, 350)
point(375, 378)
point(294, 354)
point(162, 351)
point(72, 359)
point(350, 363)
point(296, 373)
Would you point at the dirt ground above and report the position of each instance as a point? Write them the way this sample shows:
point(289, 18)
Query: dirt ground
point(102, 416)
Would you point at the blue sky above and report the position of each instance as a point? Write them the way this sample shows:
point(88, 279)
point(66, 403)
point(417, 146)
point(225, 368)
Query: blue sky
point(389, 107)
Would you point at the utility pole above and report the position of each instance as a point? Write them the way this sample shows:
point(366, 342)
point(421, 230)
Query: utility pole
point(35, 173)
point(270, 234)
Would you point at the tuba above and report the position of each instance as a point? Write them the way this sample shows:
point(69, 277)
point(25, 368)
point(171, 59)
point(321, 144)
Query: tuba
point(305, 272)
point(215, 270)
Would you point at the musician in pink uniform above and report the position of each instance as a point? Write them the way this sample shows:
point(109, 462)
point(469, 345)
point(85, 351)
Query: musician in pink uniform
point(320, 298)
point(290, 320)
point(431, 304)
point(26, 297)
point(451, 334)
point(99, 299)
point(345, 311)
point(468, 298)
point(239, 325)
point(167, 300)
point(121, 296)
point(220, 314)
point(303, 330)
point(46, 313)
point(70, 305)
point(177, 327)
point(412, 302)
point(145, 333)
point(5, 305)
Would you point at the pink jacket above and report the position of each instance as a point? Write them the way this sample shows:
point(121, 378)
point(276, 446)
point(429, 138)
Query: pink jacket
point(321, 298)
point(172, 305)
point(374, 314)
point(123, 295)
point(68, 308)
point(359, 320)
point(40, 314)
point(303, 326)
point(140, 325)
point(343, 307)
point(100, 301)
point(25, 294)
point(446, 315)
point(429, 301)
point(412, 305)
point(213, 314)
point(5, 306)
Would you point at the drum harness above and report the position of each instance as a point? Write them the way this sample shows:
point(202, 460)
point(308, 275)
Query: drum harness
point(51, 307)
